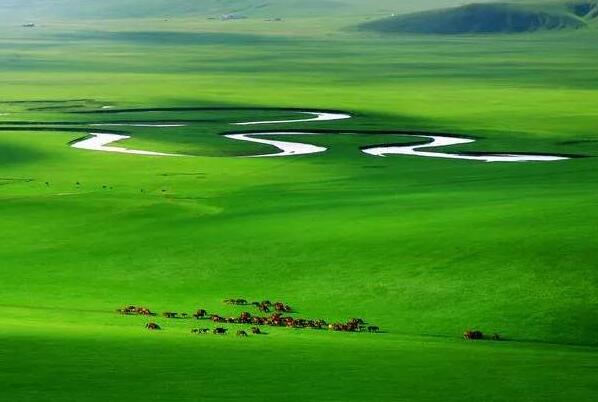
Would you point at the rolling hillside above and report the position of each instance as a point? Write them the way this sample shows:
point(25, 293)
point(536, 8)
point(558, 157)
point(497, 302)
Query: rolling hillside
point(491, 18)
point(454, 191)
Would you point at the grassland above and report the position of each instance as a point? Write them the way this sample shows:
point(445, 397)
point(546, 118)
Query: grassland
point(423, 248)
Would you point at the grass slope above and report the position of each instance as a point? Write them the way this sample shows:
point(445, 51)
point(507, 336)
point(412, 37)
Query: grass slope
point(488, 18)
point(423, 248)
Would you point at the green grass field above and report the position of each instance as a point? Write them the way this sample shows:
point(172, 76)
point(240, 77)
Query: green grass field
point(424, 248)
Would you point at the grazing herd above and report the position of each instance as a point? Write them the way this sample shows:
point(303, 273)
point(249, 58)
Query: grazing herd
point(272, 314)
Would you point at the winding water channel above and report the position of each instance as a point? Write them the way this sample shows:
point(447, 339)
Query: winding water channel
point(101, 142)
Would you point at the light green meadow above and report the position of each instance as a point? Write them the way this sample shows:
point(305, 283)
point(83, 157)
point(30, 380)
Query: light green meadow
point(423, 248)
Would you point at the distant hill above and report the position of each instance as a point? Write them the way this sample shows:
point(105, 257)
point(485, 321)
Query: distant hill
point(41, 10)
point(491, 18)
point(584, 9)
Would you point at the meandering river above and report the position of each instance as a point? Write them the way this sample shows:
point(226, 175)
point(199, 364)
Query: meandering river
point(101, 142)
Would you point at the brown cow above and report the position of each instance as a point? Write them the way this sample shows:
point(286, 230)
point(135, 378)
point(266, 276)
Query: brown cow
point(216, 318)
point(220, 331)
point(473, 335)
point(152, 326)
point(245, 318)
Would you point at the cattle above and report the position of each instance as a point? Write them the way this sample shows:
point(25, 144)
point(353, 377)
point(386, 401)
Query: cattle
point(201, 313)
point(319, 324)
point(473, 335)
point(277, 319)
point(144, 311)
point(259, 320)
point(217, 318)
point(496, 337)
point(245, 318)
point(353, 325)
point(315, 324)
point(152, 326)
point(135, 310)
point(236, 302)
point(282, 308)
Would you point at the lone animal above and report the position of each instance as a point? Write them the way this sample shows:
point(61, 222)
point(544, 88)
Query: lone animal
point(496, 337)
point(256, 331)
point(200, 314)
point(473, 335)
point(195, 331)
point(373, 329)
point(220, 331)
point(169, 314)
point(152, 326)
point(242, 333)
